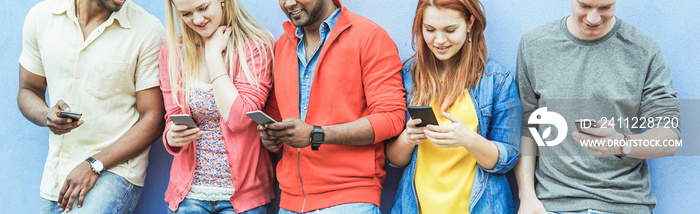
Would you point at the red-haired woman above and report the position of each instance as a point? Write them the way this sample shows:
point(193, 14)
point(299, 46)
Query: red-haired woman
point(459, 165)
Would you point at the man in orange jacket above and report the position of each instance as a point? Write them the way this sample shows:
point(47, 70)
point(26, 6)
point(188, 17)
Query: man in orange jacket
point(337, 85)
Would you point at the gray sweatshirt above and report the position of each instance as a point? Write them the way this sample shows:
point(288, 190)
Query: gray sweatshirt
point(622, 75)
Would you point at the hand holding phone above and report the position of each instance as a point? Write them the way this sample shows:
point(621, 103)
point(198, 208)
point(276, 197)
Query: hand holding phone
point(72, 115)
point(425, 113)
point(183, 119)
point(585, 123)
point(260, 117)
point(58, 117)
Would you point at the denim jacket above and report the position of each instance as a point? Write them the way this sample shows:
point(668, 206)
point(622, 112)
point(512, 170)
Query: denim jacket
point(499, 112)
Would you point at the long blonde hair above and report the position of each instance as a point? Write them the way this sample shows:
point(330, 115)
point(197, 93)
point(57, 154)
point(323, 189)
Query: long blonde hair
point(246, 31)
point(464, 74)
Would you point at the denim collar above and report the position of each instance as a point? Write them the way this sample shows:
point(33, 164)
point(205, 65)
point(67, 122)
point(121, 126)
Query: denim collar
point(325, 28)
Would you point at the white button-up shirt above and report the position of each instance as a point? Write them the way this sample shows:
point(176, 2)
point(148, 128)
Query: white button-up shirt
point(97, 76)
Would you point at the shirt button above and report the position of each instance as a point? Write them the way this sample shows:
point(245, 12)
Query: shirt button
point(306, 76)
point(77, 76)
point(304, 107)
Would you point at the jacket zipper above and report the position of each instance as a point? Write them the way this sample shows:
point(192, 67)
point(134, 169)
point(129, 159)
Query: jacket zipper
point(303, 204)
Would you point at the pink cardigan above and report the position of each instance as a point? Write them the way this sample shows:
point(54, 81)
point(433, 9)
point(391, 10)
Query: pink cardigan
point(249, 161)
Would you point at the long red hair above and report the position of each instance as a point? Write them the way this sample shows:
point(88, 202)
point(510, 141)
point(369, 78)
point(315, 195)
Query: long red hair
point(467, 70)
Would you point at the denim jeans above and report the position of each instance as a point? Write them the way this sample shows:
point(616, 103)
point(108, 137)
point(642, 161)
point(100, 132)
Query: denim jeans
point(198, 206)
point(588, 211)
point(353, 208)
point(110, 194)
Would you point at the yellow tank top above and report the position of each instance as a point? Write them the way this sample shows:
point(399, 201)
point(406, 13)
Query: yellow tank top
point(444, 176)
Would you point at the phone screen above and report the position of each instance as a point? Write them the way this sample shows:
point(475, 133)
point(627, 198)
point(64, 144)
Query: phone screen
point(183, 119)
point(425, 113)
point(260, 117)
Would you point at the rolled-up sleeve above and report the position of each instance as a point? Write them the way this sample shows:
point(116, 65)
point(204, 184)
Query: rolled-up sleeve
point(30, 58)
point(146, 74)
point(659, 99)
point(251, 96)
point(381, 77)
point(504, 129)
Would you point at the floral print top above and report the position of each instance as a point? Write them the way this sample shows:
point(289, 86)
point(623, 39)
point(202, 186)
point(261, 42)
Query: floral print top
point(212, 176)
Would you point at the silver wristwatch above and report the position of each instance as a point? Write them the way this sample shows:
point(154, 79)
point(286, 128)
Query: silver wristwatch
point(96, 165)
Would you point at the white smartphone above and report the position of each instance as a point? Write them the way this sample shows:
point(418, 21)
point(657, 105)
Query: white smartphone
point(260, 117)
point(183, 119)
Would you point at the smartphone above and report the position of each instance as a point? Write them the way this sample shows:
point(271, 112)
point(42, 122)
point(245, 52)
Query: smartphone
point(183, 119)
point(585, 123)
point(425, 113)
point(260, 117)
point(72, 115)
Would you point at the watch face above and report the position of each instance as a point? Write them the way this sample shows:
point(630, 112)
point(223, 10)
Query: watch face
point(627, 149)
point(98, 166)
point(317, 137)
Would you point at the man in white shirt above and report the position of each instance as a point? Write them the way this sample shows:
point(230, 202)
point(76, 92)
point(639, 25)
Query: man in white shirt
point(98, 58)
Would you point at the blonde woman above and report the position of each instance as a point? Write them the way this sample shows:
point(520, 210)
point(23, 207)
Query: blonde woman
point(215, 70)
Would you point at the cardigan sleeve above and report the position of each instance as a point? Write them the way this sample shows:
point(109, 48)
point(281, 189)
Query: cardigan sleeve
point(251, 97)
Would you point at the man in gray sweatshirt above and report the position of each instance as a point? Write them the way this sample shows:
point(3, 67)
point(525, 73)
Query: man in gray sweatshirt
point(592, 65)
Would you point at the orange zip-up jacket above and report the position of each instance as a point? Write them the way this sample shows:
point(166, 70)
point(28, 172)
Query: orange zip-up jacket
point(357, 75)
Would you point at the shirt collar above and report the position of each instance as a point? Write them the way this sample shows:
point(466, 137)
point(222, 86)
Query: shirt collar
point(326, 26)
point(68, 7)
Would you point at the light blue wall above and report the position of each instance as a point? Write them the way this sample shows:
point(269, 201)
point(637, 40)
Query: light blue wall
point(23, 146)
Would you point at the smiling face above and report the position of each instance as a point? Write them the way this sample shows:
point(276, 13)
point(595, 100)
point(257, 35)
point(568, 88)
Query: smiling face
point(591, 19)
point(202, 16)
point(305, 13)
point(444, 32)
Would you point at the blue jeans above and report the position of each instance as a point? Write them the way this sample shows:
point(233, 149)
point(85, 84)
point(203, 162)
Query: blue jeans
point(359, 208)
point(110, 194)
point(198, 206)
point(588, 211)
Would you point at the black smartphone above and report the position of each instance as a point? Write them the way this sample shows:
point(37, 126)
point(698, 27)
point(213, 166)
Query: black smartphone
point(585, 123)
point(425, 113)
point(72, 115)
point(183, 119)
point(260, 117)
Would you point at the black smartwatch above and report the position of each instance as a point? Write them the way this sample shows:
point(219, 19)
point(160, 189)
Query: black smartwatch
point(317, 137)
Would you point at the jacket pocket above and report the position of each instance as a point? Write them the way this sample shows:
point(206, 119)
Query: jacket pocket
point(486, 112)
point(106, 78)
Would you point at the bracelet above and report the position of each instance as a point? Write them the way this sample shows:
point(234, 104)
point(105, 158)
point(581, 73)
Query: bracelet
point(216, 77)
